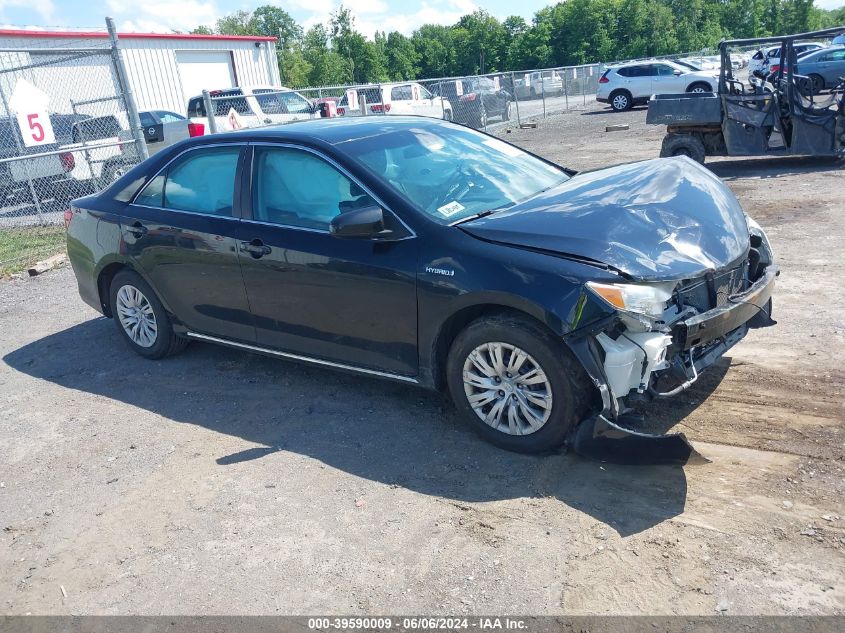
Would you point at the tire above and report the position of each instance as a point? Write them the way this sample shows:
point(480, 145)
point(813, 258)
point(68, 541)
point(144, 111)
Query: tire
point(621, 100)
point(563, 380)
point(683, 145)
point(817, 83)
point(133, 293)
point(447, 114)
point(700, 86)
point(532, 93)
point(111, 172)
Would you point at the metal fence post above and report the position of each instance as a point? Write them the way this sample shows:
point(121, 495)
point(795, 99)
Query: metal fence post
point(543, 92)
point(442, 100)
point(128, 98)
point(565, 88)
point(584, 85)
point(515, 99)
point(15, 133)
point(210, 112)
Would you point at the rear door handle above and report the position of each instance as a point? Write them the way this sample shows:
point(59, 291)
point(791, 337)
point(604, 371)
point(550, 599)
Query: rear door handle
point(137, 229)
point(256, 248)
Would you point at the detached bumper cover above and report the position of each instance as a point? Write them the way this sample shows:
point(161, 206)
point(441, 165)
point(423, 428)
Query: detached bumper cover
point(716, 323)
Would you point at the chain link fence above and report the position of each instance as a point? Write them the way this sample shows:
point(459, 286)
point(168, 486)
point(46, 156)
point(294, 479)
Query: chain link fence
point(66, 130)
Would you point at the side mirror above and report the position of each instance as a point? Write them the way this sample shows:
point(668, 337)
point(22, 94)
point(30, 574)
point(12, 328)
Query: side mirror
point(363, 223)
point(677, 72)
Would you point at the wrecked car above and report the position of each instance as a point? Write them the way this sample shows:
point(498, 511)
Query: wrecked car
point(548, 303)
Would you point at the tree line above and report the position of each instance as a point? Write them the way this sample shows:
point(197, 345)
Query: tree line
point(567, 33)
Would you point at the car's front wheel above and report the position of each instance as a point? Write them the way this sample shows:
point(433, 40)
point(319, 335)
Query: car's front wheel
point(517, 384)
point(141, 319)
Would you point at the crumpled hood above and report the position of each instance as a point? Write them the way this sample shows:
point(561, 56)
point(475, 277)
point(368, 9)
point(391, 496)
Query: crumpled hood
point(658, 219)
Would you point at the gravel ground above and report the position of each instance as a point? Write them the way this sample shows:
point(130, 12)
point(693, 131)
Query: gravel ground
point(222, 482)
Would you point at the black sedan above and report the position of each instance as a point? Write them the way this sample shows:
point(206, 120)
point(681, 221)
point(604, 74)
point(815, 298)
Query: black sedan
point(425, 252)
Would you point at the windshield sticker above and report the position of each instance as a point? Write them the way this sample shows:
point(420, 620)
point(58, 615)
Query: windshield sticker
point(508, 150)
point(450, 209)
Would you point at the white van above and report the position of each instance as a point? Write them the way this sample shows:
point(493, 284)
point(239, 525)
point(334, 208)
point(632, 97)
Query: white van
point(399, 98)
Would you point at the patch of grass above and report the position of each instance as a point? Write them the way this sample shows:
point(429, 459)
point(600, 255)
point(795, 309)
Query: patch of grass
point(21, 247)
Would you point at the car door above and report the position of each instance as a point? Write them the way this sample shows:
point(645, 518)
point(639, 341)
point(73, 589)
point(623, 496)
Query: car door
point(637, 80)
point(180, 232)
point(402, 100)
point(831, 66)
point(425, 104)
point(347, 301)
point(665, 81)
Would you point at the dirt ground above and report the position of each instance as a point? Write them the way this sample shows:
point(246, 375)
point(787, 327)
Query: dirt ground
point(220, 482)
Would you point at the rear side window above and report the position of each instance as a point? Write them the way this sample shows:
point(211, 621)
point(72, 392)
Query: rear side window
point(400, 93)
point(147, 119)
point(634, 71)
point(196, 107)
point(202, 181)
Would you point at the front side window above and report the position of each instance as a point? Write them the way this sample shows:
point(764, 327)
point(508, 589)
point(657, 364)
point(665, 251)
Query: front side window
point(202, 181)
point(424, 93)
point(296, 188)
point(664, 70)
point(449, 172)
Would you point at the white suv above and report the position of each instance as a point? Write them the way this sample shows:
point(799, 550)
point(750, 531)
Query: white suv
point(629, 84)
point(404, 98)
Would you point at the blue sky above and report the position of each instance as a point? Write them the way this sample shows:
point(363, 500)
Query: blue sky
point(183, 15)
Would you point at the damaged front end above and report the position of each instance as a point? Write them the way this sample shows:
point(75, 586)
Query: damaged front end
point(655, 343)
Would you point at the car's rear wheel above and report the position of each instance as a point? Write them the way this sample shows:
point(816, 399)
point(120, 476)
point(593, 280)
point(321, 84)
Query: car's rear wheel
point(683, 145)
point(700, 87)
point(817, 83)
point(516, 383)
point(141, 319)
point(621, 100)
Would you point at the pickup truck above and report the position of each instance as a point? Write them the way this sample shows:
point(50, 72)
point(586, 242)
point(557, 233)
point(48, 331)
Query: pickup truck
point(253, 106)
point(50, 175)
point(535, 85)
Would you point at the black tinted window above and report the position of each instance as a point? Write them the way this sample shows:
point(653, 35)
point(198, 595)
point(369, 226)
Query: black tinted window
point(400, 93)
point(203, 181)
point(634, 71)
point(196, 108)
point(147, 119)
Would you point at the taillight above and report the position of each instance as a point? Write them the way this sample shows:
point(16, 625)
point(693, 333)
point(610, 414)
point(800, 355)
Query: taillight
point(341, 111)
point(468, 97)
point(196, 129)
point(378, 107)
point(604, 79)
point(67, 161)
point(68, 217)
point(774, 68)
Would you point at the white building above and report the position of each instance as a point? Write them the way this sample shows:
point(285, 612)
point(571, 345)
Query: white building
point(164, 70)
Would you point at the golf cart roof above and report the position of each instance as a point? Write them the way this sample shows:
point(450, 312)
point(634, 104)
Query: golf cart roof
point(777, 39)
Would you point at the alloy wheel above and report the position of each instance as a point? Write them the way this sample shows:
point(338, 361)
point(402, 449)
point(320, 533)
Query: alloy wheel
point(620, 102)
point(507, 388)
point(136, 315)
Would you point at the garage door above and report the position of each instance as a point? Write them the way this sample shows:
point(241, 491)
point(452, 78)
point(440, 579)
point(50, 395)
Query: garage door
point(204, 70)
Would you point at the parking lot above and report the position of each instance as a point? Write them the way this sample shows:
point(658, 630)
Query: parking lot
point(221, 482)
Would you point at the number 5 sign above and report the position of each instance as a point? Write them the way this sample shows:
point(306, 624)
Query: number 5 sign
point(30, 107)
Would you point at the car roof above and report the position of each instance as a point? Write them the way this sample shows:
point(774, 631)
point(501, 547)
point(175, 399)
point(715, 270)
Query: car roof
point(331, 131)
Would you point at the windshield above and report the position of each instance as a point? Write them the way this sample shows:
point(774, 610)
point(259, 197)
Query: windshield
point(275, 102)
point(451, 172)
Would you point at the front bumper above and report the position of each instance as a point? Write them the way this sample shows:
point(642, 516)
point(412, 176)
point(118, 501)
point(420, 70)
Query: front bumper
point(698, 342)
point(714, 324)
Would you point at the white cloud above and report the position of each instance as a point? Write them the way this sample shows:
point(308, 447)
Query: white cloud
point(829, 4)
point(45, 8)
point(374, 15)
point(157, 16)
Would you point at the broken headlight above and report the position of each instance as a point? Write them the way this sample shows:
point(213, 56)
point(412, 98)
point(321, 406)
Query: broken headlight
point(646, 299)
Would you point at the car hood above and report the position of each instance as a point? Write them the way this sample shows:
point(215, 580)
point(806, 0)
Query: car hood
point(659, 219)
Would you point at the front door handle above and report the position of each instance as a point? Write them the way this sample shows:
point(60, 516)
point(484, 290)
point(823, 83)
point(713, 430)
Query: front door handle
point(137, 229)
point(256, 248)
